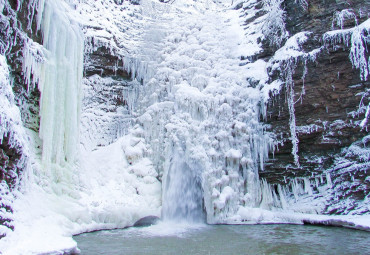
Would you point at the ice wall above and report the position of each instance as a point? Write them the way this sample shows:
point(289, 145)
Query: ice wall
point(60, 85)
point(57, 69)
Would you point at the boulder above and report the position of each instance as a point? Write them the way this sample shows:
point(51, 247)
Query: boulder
point(147, 221)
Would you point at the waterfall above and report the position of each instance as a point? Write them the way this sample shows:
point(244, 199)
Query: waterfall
point(60, 85)
point(182, 194)
point(56, 67)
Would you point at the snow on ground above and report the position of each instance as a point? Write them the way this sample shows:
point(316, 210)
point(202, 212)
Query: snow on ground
point(261, 216)
point(113, 187)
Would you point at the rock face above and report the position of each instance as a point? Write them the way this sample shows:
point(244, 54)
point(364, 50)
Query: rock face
point(146, 221)
point(107, 97)
point(15, 33)
point(9, 174)
point(327, 110)
point(13, 155)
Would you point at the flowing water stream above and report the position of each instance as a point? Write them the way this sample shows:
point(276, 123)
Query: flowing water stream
point(171, 238)
point(182, 191)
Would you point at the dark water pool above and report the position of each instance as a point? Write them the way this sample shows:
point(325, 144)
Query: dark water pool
point(226, 239)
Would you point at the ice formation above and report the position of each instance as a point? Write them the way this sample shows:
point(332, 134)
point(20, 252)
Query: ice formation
point(199, 102)
point(357, 38)
point(189, 116)
point(59, 198)
point(11, 129)
point(274, 24)
point(60, 86)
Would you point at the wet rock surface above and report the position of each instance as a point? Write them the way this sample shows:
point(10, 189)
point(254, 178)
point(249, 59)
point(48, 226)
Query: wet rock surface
point(147, 221)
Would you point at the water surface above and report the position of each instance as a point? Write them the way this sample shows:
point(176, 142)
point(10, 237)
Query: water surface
point(226, 239)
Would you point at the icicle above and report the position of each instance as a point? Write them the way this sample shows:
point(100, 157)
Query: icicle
point(358, 52)
point(292, 121)
point(138, 69)
point(268, 195)
point(315, 182)
point(33, 59)
point(328, 180)
point(365, 120)
point(340, 17)
point(2, 3)
point(307, 186)
point(35, 6)
point(282, 196)
point(356, 37)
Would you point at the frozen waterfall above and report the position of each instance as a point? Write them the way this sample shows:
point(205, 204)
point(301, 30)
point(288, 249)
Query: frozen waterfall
point(60, 85)
point(201, 116)
point(57, 67)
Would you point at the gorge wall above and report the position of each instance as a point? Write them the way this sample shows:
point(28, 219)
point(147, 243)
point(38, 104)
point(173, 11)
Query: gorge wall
point(330, 103)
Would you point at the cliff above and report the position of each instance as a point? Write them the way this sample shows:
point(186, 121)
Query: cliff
point(330, 101)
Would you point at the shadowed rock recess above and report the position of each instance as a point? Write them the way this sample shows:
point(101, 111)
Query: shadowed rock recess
point(317, 117)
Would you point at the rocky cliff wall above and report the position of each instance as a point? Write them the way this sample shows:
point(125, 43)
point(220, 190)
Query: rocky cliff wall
point(330, 100)
point(23, 99)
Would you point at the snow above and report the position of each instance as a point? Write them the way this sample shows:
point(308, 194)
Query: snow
point(192, 120)
point(357, 38)
point(292, 47)
point(261, 216)
point(274, 24)
point(12, 128)
point(109, 191)
point(10, 116)
point(69, 189)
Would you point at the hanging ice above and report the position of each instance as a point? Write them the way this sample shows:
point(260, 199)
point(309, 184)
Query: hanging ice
point(60, 85)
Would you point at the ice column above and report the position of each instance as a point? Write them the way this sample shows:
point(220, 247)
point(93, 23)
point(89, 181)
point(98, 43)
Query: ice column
point(60, 84)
